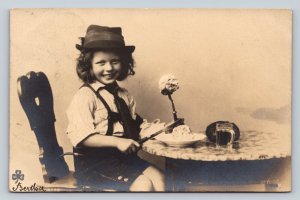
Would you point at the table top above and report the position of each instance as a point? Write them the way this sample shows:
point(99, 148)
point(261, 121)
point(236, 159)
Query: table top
point(252, 145)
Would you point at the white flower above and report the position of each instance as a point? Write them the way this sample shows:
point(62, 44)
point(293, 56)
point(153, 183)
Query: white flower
point(168, 84)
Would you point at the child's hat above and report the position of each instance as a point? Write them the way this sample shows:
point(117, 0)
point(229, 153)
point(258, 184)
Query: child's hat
point(103, 37)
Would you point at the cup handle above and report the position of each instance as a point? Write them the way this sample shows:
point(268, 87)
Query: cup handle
point(232, 134)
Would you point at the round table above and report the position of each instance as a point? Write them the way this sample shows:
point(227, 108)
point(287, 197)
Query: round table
point(254, 158)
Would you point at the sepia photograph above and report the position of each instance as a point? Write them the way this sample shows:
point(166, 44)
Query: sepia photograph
point(150, 100)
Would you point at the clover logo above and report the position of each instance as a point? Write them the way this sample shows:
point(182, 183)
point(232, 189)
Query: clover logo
point(18, 176)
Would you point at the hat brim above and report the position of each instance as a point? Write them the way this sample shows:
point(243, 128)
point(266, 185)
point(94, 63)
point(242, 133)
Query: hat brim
point(129, 49)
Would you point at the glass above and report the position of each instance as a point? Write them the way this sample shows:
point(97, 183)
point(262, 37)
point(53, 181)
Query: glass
point(224, 134)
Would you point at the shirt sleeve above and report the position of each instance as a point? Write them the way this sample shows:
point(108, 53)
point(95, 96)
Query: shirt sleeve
point(132, 107)
point(80, 115)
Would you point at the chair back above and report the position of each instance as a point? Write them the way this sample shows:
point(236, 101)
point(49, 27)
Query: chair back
point(36, 98)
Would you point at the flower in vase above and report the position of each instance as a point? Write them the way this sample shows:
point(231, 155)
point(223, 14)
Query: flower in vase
point(168, 84)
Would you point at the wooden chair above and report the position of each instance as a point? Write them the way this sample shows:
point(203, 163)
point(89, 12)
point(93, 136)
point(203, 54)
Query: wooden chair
point(36, 98)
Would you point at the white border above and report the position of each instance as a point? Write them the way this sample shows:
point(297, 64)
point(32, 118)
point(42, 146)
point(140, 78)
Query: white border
point(4, 90)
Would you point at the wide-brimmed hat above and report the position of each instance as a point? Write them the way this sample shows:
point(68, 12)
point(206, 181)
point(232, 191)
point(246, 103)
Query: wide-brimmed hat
point(103, 37)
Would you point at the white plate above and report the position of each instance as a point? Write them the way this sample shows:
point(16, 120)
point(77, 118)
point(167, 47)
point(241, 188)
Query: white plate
point(185, 141)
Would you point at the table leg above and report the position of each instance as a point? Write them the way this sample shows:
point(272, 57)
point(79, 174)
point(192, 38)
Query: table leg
point(169, 175)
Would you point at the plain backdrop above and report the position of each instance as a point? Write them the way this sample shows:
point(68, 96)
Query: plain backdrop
point(232, 65)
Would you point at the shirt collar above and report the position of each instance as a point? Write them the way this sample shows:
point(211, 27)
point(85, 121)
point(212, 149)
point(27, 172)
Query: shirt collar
point(97, 85)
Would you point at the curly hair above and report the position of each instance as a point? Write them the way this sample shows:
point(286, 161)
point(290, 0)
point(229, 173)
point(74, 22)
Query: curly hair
point(84, 64)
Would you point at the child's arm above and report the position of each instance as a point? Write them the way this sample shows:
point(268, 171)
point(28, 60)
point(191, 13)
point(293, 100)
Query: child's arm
point(124, 145)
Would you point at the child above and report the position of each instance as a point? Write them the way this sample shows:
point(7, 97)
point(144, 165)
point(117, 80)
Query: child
point(103, 126)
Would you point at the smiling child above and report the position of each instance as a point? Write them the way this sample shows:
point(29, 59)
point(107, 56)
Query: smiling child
point(103, 126)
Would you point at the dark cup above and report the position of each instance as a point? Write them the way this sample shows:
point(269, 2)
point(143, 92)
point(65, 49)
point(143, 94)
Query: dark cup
point(222, 133)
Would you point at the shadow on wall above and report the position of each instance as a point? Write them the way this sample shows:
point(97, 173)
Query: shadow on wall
point(277, 115)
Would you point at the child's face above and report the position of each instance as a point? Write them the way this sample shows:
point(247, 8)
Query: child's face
point(106, 66)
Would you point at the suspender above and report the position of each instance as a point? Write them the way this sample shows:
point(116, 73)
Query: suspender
point(112, 116)
point(110, 113)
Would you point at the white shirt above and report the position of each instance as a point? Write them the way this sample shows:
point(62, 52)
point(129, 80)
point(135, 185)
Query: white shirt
point(87, 115)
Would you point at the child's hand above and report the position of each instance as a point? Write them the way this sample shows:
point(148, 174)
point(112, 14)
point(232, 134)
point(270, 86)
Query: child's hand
point(127, 146)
